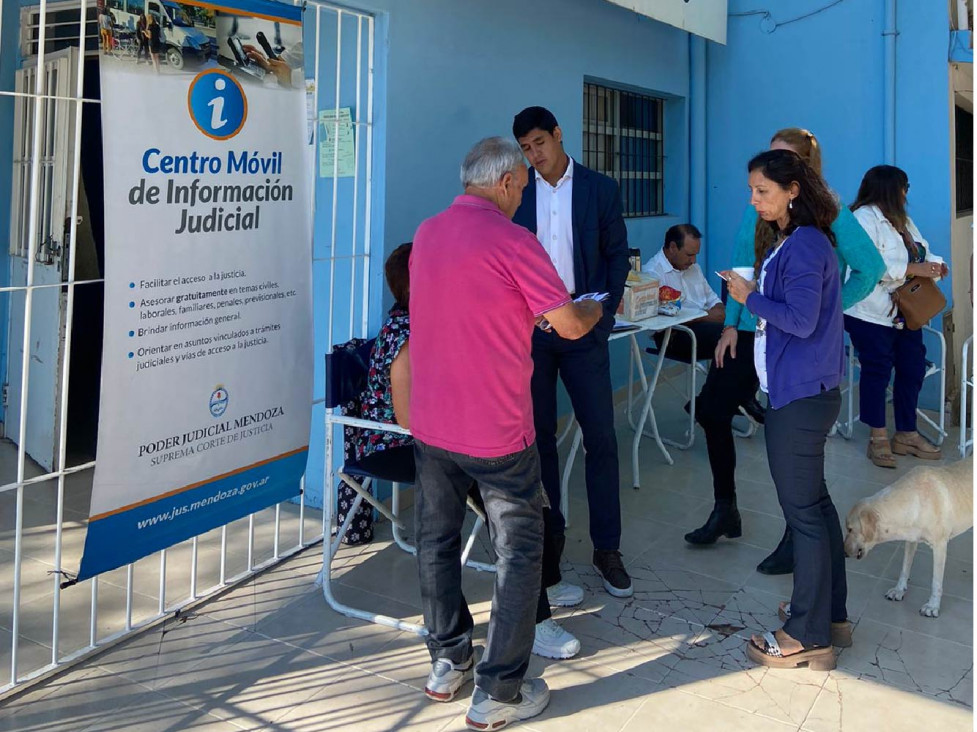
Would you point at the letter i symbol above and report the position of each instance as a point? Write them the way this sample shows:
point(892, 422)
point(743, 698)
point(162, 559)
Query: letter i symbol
point(217, 106)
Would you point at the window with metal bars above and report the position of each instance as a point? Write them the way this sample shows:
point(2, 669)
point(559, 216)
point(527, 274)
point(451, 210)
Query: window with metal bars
point(623, 137)
point(62, 21)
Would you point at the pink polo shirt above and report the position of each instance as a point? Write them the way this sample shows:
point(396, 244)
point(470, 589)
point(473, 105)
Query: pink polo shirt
point(477, 283)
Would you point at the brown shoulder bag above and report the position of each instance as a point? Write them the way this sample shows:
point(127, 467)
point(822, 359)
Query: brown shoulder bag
point(919, 301)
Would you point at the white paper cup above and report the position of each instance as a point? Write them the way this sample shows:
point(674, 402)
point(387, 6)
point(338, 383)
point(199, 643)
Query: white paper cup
point(745, 272)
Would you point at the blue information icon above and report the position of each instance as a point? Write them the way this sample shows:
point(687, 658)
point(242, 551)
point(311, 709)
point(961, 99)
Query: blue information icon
point(217, 104)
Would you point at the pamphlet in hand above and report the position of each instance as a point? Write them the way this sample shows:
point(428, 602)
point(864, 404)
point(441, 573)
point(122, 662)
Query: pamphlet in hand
point(598, 296)
point(544, 324)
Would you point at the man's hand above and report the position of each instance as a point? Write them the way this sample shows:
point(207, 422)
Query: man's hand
point(728, 339)
point(575, 319)
point(281, 70)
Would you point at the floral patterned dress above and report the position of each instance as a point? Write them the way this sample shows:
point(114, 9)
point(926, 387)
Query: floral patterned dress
point(375, 404)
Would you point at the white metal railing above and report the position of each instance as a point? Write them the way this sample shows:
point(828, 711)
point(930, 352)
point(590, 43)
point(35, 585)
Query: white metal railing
point(268, 540)
point(846, 427)
point(967, 392)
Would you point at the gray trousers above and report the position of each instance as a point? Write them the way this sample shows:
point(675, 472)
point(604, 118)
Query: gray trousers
point(511, 489)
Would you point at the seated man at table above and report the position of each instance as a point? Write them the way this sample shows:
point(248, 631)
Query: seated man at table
point(675, 266)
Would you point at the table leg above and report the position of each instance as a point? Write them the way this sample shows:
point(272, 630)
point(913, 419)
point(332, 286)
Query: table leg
point(565, 478)
point(690, 436)
point(648, 413)
point(635, 359)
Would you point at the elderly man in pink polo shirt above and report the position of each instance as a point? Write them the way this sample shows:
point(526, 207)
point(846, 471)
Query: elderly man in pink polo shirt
point(479, 285)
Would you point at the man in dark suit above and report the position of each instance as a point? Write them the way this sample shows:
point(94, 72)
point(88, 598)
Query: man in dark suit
point(576, 215)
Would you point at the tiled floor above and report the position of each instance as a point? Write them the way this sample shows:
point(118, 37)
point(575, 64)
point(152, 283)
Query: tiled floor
point(271, 654)
point(39, 576)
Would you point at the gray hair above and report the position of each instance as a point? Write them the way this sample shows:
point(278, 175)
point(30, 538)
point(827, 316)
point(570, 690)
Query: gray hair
point(489, 160)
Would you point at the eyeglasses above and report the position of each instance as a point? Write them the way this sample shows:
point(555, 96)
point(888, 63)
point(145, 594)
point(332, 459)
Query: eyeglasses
point(907, 187)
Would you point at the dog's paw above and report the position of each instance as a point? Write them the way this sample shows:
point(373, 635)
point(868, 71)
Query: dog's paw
point(896, 594)
point(930, 610)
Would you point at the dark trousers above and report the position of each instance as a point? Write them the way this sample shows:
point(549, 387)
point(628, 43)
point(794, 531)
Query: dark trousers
point(881, 349)
point(680, 345)
point(509, 486)
point(584, 367)
point(552, 549)
point(725, 390)
point(796, 434)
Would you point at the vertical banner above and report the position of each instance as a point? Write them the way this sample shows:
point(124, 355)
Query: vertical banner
point(207, 357)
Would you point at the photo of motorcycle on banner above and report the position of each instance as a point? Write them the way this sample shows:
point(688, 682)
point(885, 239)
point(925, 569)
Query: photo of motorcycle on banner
point(260, 51)
point(202, 421)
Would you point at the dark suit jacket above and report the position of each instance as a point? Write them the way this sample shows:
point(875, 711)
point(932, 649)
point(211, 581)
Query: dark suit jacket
point(600, 238)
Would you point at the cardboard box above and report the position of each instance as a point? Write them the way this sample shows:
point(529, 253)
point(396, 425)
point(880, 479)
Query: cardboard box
point(640, 299)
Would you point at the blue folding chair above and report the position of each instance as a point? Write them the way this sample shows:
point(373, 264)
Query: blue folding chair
point(846, 426)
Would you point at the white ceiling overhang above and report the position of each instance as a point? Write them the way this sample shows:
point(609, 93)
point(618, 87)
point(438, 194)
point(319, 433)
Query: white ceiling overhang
point(706, 18)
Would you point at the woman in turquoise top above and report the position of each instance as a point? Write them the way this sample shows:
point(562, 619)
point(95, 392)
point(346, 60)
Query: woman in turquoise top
point(732, 380)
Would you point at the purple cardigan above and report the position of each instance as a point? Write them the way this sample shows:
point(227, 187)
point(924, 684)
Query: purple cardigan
point(805, 327)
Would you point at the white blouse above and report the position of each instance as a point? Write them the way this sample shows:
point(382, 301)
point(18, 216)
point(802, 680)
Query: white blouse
point(760, 341)
point(877, 306)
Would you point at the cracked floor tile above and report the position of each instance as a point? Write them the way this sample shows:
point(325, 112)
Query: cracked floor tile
point(911, 662)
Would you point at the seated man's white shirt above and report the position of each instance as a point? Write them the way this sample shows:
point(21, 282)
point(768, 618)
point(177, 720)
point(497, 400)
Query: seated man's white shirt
point(690, 282)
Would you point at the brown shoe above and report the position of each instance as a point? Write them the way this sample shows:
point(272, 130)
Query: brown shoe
point(840, 632)
point(880, 453)
point(913, 443)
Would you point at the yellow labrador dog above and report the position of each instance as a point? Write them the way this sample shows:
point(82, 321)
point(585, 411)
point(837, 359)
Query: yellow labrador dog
point(928, 504)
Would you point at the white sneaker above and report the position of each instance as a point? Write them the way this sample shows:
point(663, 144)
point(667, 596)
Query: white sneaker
point(446, 678)
point(485, 713)
point(552, 641)
point(563, 594)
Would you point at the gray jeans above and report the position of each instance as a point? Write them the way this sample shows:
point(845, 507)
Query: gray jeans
point(511, 488)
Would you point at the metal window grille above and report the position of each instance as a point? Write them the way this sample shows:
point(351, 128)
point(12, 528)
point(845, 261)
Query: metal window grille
point(964, 123)
point(623, 137)
point(46, 521)
point(61, 28)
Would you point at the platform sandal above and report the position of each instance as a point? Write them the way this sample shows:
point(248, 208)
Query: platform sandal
point(770, 654)
point(880, 452)
point(840, 632)
point(915, 445)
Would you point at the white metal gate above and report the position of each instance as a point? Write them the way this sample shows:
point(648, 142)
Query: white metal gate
point(52, 209)
point(43, 509)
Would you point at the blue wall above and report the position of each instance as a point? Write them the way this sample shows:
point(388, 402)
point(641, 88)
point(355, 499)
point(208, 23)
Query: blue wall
point(451, 73)
point(460, 71)
point(826, 73)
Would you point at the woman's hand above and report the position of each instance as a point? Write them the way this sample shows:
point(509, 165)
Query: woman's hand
point(739, 289)
point(727, 340)
point(927, 269)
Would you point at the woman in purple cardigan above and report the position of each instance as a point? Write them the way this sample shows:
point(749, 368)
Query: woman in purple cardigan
point(798, 357)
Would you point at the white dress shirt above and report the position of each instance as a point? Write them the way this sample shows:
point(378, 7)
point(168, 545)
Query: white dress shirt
point(877, 305)
point(690, 282)
point(554, 223)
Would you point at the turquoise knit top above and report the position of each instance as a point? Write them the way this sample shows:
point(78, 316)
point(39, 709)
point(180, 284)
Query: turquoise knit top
point(856, 254)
